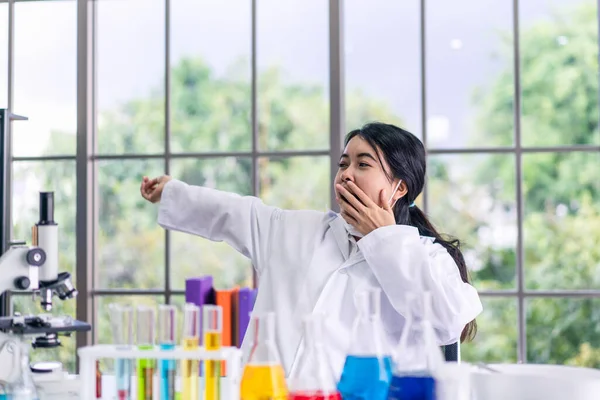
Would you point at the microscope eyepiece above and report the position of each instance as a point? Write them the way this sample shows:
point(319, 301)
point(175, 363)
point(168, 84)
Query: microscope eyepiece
point(46, 208)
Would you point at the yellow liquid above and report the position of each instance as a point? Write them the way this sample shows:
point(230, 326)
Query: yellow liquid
point(190, 371)
point(212, 369)
point(263, 382)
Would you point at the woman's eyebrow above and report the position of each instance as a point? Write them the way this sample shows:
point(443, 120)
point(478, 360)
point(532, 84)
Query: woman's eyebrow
point(367, 155)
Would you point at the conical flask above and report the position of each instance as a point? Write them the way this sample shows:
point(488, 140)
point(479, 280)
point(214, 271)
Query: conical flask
point(263, 377)
point(313, 377)
point(418, 357)
point(368, 368)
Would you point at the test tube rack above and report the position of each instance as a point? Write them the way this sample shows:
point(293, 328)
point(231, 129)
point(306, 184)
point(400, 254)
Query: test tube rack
point(88, 356)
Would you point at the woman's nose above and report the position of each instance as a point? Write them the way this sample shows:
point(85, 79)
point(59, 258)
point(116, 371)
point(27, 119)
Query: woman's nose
point(346, 176)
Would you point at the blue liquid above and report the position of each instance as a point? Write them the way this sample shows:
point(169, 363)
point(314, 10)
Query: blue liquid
point(167, 370)
point(414, 387)
point(123, 372)
point(366, 378)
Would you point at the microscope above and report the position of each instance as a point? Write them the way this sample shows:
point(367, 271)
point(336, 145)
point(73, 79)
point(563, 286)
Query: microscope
point(34, 269)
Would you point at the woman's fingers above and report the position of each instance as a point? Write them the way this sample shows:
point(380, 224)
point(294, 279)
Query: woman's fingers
point(148, 187)
point(351, 220)
point(151, 189)
point(362, 196)
point(349, 210)
point(349, 197)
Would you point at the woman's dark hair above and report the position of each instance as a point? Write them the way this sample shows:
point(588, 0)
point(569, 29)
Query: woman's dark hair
point(405, 154)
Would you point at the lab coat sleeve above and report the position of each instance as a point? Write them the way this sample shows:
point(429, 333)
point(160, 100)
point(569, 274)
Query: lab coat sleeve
point(244, 222)
point(402, 261)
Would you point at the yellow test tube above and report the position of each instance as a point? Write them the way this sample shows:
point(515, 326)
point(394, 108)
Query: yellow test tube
point(191, 341)
point(213, 329)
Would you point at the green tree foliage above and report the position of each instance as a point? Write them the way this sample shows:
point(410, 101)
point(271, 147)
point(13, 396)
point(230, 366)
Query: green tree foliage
point(559, 79)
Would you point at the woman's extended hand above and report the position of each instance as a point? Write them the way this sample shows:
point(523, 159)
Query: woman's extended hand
point(362, 212)
point(151, 189)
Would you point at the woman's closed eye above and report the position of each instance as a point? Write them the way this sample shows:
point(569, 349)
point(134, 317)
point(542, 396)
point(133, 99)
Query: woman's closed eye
point(361, 165)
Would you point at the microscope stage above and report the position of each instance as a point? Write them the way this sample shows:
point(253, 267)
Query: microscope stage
point(34, 325)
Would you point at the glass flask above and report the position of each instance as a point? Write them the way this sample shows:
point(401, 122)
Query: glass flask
point(418, 357)
point(263, 377)
point(121, 321)
point(368, 368)
point(313, 377)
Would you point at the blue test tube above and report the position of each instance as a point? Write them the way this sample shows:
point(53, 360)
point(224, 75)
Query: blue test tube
point(167, 331)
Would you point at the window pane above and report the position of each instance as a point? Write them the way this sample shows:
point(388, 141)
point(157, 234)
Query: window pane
point(131, 244)
point(29, 179)
point(3, 55)
point(562, 216)
point(210, 79)
point(496, 339)
point(383, 64)
point(559, 72)
point(45, 77)
point(563, 331)
point(130, 77)
point(193, 256)
point(102, 323)
point(293, 80)
point(295, 182)
point(472, 197)
point(469, 73)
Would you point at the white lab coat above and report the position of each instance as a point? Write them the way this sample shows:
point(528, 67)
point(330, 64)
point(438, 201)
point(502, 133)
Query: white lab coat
point(306, 262)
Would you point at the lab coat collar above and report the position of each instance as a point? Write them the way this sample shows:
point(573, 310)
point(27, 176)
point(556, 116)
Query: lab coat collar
point(346, 242)
point(343, 240)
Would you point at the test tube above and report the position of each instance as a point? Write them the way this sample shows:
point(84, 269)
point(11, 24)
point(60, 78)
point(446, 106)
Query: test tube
point(145, 341)
point(213, 328)
point(191, 342)
point(167, 327)
point(121, 318)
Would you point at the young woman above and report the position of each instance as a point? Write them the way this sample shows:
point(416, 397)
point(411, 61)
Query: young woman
point(310, 261)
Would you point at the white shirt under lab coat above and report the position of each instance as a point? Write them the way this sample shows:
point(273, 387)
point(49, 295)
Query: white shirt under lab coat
point(307, 262)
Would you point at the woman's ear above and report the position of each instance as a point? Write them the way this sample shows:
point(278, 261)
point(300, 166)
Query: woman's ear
point(400, 192)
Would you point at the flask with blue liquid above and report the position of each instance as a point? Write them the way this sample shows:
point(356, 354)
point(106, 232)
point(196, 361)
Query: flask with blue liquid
point(368, 368)
point(418, 357)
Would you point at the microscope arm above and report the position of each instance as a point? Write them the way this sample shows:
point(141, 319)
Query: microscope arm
point(20, 268)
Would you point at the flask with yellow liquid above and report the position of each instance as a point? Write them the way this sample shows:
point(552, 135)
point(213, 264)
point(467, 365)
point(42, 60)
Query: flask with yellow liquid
point(263, 377)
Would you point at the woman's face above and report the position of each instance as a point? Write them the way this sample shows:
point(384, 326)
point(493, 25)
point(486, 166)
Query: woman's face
point(367, 168)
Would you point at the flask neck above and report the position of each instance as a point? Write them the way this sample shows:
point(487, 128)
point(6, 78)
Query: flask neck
point(313, 330)
point(262, 329)
point(368, 305)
